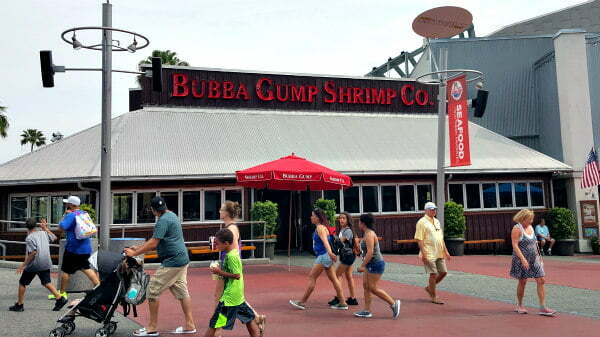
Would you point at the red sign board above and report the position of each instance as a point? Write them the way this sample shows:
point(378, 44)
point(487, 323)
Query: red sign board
point(442, 22)
point(458, 122)
point(193, 87)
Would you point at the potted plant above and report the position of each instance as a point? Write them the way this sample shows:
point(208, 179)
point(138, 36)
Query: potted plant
point(595, 246)
point(268, 212)
point(562, 225)
point(454, 228)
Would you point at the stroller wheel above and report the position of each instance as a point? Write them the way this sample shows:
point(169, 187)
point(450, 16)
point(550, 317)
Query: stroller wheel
point(111, 328)
point(102, 332)
point(57, 332)
point(69, 327)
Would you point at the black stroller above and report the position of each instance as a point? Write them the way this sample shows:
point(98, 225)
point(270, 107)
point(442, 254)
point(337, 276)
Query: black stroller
point(100, 303)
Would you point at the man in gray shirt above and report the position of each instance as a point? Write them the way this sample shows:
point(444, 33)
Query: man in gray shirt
point(37, 262)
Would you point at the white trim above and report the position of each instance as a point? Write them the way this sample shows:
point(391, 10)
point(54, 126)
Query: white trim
point(497, 183)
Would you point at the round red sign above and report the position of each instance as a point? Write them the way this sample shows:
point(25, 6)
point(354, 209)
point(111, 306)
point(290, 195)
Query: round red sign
point(442, 22)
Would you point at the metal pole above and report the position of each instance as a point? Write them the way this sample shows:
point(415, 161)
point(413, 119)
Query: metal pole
point(105, 166)
point(441, 147)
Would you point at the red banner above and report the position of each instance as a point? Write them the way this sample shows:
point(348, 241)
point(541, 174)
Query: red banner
point(458, 122)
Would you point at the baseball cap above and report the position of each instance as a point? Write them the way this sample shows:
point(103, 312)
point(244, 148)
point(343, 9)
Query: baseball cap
point(73, 200)
point(430, 205)
point(158, 204)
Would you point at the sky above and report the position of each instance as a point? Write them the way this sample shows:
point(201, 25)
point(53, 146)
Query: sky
point(338, 37)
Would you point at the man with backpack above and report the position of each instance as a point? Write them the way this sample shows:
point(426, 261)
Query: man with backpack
point(77, 251)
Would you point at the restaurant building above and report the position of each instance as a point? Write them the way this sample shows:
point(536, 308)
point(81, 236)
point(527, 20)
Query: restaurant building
point(186, 142)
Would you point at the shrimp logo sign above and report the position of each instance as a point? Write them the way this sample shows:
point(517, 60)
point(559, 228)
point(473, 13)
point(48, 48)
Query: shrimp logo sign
point(456, 91)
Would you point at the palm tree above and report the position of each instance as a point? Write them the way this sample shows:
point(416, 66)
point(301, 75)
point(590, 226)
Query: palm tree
point(34, 137)
point(3, 122)
point(167, 57)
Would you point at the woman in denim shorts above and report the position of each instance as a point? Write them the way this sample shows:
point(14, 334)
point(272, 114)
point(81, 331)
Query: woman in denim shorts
point(373, 267)
point(324, 261)
point(347, 257)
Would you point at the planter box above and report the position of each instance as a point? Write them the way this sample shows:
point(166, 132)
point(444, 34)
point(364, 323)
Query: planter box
point(564, 247)
point(456, 246)
point(269, 251)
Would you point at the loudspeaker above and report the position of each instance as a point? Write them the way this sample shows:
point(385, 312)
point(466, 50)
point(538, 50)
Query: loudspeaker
point(47, 68)
point(480, 102)
point(156, 74)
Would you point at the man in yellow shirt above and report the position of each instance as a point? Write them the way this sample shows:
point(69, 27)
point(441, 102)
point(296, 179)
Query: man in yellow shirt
point(430, 237)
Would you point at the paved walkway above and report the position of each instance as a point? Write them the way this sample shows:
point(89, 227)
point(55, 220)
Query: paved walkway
point(479, 296)
point(38, 318)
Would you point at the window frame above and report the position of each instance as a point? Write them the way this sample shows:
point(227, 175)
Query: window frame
point(497, 183)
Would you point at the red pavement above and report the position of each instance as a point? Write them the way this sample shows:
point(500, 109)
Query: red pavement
point(583, 275)
point(268, 289)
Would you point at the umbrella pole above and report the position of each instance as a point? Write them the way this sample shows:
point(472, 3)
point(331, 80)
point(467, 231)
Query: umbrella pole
point(290, 234)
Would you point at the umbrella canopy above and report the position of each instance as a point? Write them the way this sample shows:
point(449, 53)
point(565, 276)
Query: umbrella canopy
point(292, 173)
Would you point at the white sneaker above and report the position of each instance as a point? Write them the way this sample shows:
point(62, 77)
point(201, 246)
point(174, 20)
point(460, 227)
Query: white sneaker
point(298, 305)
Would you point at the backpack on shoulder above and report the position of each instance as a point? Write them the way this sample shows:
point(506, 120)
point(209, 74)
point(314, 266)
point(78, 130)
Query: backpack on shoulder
point(84, 226)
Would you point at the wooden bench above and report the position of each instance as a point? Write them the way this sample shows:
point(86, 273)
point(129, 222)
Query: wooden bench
point(207, 250)
point(494, 241)
point(151, 255)
point(406, 241)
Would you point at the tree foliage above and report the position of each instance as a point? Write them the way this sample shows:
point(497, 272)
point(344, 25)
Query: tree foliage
point(33, 137)
point(3, 122)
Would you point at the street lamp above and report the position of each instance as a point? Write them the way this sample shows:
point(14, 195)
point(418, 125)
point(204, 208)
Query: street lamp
point(107, 46)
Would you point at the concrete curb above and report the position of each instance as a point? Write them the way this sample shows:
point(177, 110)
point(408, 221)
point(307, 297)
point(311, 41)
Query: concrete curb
point(150, 266)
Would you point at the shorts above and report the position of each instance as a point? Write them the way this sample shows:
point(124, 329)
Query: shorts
point(376, 267)
point(224, 317)
point(172, 278)
point(72, 262)
point(324, 260)
point(347, 259)
point(436, 266)
point(28, 276)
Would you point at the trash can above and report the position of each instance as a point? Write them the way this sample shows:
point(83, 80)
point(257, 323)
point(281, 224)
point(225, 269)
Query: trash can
point(118, 244)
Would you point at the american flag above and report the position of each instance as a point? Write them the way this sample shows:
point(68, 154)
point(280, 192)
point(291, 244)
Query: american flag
point(591, 177)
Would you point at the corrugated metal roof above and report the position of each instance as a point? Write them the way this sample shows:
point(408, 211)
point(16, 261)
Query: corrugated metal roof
point(583, 16)
point(162, 143)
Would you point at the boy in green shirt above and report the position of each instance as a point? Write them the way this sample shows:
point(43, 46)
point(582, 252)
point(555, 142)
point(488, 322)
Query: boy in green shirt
point(232, 303)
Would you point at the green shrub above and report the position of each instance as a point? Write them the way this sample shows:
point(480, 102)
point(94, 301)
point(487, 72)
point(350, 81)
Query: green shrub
point(268, 212)
point(90, 210)
point(454, 220)
point(561, 222)
point(328, 206)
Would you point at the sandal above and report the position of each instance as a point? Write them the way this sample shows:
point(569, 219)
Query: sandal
point(143, 333)
point(521, 311)
point(180, 330)
point(437, 301)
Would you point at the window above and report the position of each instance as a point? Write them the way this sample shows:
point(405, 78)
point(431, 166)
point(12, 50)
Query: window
point(234, 195)
point(456, 193)
point(489, 196)
point(333, 195)
point(172, 201)
point(351, 200)
point(559, 191)
point(407, 198)
point(191, 206)
point(39, 207)
point(521, 195)
point(212, 204)
point(506, 196)
point(423, 195)
point(57, 208)
point(122, 208)
point(388, 199)
point(18, 210)
point(536, 192)
point(370, 197)
point(473, 198)
point(144, 212)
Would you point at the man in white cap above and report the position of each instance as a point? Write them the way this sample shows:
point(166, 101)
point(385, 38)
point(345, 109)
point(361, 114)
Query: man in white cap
point(433, 252)
point(77, 252)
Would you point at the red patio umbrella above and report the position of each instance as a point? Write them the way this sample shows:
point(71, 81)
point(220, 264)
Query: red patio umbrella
point(292, 173)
